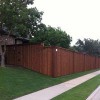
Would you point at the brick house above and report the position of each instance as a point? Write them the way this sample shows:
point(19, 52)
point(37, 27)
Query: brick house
point(11, 39)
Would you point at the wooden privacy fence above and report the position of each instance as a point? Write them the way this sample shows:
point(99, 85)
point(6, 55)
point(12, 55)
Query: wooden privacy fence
point(52, 61)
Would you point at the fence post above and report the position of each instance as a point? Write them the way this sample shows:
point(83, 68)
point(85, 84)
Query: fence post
point(84, 62)
point(73, 62)
point(54, 69)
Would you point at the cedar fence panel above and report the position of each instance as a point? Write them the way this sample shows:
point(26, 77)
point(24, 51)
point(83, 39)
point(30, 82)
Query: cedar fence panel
point(52, 61)
point(34, 57)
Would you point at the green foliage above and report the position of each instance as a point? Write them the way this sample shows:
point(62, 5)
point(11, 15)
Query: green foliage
point(52, 37)
point(88, 46)
point(16, 17)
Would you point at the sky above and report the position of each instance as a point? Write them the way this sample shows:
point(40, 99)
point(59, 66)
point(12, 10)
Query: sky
point(79, 18)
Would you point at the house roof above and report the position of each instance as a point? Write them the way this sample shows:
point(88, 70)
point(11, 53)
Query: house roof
point(24, 40)
point(3, 32)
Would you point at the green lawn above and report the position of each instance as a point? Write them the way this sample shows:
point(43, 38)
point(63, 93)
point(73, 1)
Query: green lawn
point(16, 81)
point(80, 92)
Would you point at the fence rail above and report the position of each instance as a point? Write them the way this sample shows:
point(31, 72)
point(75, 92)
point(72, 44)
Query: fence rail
point(52, 61)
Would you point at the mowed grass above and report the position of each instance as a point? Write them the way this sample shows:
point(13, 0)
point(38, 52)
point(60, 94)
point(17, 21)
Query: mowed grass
point(80, 92)
point(17, 81)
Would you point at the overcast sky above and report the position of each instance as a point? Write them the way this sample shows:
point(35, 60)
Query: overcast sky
point(79, 18)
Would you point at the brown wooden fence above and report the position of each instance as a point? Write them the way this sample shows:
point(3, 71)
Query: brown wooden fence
point(52, 61)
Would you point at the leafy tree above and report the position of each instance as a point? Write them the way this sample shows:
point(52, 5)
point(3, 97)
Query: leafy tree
point(53, 36)
point(88, 46)
point(16, 18)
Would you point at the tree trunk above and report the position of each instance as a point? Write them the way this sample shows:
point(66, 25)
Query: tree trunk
point(2, 50)
point(2, 59)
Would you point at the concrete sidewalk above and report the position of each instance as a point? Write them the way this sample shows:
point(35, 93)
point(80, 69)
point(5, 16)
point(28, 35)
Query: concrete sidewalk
point(95, 95)
point(51, 92)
